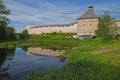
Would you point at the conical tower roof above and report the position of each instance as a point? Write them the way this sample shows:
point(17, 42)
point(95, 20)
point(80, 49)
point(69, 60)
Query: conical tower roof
point(89, 14)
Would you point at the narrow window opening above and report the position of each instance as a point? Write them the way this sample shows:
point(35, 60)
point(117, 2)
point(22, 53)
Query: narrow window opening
point(89, 31)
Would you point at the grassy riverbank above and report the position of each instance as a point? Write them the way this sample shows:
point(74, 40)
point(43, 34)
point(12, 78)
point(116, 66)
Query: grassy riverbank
point(90, 60)
point(47, 44)
point(52, 40)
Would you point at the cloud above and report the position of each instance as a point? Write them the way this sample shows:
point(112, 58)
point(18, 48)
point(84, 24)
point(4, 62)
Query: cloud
point(24, 13)
point(111, 7)
point(39, 12)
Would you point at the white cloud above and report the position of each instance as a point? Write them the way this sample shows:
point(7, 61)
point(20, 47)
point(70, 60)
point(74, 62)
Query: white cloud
point(43, 13)
point(25, 13)
point(38, 12)
point(112, 8)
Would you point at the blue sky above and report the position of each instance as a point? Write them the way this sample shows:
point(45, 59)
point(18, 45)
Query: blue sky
point(40, 12)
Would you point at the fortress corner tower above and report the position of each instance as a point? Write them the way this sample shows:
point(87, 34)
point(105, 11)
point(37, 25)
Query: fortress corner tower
point(87, 24)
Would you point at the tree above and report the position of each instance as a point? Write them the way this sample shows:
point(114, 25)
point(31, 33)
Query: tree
point(106, 28)
point(10, 33)
point(24, 35)
point(3, 20)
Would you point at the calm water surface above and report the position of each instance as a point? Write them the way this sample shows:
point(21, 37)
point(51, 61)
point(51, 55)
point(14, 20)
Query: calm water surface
point(16, 63)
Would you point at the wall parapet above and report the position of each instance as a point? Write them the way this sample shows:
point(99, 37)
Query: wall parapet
point(72, 28)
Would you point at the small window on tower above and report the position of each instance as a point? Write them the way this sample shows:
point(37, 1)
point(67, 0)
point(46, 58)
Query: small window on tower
point(83, 24)
point(90, 24)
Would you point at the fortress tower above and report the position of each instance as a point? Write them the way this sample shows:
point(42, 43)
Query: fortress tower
point(87, 24)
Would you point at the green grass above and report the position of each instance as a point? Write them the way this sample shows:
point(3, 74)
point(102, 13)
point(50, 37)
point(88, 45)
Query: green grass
point(53, 36)
point(49, 44)
point(53, 40)
point(83, 64)
point(88, 59)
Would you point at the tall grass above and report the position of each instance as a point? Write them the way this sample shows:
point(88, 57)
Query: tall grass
point(55, 41)
point(84, 65)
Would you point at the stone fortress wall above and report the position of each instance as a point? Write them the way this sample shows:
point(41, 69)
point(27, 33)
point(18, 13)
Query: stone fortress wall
point(85, 26)
point(118, 25)
point(66, 28)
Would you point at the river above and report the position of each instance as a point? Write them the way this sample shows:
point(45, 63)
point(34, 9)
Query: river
point(17, 63)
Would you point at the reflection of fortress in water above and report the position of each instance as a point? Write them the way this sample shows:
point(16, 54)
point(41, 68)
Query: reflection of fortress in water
point(44, 52)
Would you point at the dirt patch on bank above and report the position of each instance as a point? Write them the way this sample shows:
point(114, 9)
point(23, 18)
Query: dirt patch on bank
point(105, 50)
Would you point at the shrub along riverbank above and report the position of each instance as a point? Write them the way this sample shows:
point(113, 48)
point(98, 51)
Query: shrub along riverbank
point(50, 44)
point(52, 40)
point(90, 60)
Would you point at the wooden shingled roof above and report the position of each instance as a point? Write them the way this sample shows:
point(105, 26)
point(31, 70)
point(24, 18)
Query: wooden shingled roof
point(89, 14)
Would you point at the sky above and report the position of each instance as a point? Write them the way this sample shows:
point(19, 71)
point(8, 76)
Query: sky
point(43, 12)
